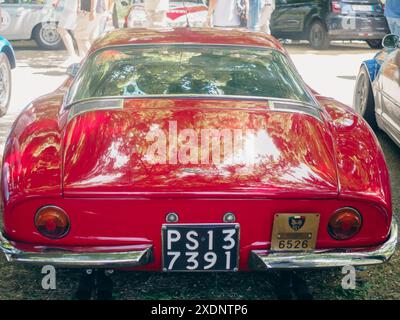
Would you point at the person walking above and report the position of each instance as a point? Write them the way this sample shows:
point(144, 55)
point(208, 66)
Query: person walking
point(66, 12)
point(260, 12)
point(86, 25)
point(224, 13)
point(392, 13)
point(103, 14)
point(156, 13)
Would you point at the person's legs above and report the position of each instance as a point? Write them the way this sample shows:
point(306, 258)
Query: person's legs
point(156, 19)
point(95, 28)
point(253, 22)
point(149, 18)
point(161, 19)
point(397, 26)
point(394, 25)
point(265, 18)
point(103, 23)
point(68, 41)
point(83, 33)
point(83, 46)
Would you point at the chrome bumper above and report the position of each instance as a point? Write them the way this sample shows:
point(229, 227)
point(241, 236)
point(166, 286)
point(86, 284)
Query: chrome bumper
point(68, 259)
point(264, 259)
point(259, 259)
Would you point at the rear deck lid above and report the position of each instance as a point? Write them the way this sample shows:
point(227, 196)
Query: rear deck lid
point(179, 146)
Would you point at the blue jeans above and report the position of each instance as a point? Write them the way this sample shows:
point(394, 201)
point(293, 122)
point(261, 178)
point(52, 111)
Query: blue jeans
point(394, 25)
point(253, 22)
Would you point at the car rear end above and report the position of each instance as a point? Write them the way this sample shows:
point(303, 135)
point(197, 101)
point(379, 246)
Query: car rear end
point(356, 20)
point(234, 169)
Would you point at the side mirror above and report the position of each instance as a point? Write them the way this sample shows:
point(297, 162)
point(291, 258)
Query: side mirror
point(73, 69)
point(391, 41)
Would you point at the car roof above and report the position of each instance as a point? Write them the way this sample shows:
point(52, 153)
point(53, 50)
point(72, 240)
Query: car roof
point(232, 37)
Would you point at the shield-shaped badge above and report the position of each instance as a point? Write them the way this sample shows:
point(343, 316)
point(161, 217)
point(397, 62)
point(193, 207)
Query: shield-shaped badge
point(297, 222)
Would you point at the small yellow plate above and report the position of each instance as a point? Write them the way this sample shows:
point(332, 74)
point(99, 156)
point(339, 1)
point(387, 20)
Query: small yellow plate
point(295, 232)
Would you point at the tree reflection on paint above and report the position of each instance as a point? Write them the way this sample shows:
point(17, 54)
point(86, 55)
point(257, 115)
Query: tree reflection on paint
point(106, 149)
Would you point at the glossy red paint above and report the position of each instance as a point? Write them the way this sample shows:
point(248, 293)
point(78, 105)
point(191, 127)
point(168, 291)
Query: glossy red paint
point(127, 221)
point(361, 166)
point(92, 167)
point(105, 151)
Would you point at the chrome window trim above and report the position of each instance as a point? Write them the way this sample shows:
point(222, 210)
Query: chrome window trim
point(82, 107)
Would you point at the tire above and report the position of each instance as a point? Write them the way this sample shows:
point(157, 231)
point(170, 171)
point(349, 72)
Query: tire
point(5, 83)
point(47, 37)
point(375, 44)
point(364, 102)
point(318, 36)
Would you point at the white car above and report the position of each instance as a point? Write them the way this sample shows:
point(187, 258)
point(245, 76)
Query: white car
point(188, 13)
point(30, 19)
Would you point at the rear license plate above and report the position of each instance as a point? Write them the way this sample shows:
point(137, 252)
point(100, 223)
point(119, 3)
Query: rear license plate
point(294, 232)
point(200, 247)
point(363, 8)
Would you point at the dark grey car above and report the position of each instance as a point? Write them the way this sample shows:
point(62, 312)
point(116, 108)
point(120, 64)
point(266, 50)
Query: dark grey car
point(321, 21)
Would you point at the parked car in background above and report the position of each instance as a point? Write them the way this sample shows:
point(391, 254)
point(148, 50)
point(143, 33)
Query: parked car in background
point(377, 90)
point(192, 13)
point(168, 151)
point(30, 19)
point(7, 62)
point(320, 21)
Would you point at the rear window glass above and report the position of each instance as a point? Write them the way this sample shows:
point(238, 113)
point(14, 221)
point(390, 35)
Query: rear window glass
point(188, 70)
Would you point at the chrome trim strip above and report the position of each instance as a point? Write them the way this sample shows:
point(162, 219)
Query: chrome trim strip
point(65, 259)
point(265, 259)
point(296, 108)
point(197, 96)
point(117, 103)
point(94, 105)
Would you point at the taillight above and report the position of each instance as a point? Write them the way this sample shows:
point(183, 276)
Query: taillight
point(52, 222)
point(344, 224)
point(336, 7)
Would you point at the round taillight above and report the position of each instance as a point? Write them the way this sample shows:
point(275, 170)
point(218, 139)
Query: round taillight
point(344, 224)
point(52, 222)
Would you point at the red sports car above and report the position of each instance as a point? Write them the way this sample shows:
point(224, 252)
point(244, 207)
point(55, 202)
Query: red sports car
point(193, 150)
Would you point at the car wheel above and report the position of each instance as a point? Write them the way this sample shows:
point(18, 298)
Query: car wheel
point(364, 102)
point(47, 37)
point(5, 84)
point(318, 36)
point(375, 44)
